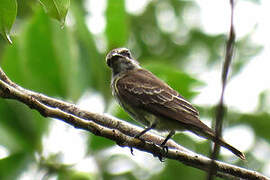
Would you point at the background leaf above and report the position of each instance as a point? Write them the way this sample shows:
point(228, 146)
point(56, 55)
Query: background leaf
point(48, 57)
point(117, 23)
point(57, 8)
point(8, 9)
point(12, 166)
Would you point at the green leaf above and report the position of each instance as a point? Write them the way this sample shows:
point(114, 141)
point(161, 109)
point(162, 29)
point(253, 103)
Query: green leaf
point(74, 175)
point(258, 122)
point(12, 64)
point(8, 12)
point(56, 8)
point(12, 166)
point(66, 55)
point(44, 59)
point(246, 50)
point(176, 170)
point(116, 29)
point(98, 143)
point(21, 128)
point(93, 71)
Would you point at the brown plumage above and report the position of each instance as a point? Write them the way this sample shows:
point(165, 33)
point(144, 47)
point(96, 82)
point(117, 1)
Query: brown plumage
point(152, 102)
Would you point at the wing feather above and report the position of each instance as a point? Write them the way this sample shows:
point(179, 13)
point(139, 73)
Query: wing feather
point(144, 90)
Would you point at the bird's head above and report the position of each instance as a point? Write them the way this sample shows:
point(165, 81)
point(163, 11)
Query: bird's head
point(120, 60)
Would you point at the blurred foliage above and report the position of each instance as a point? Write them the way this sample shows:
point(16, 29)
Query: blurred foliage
point(173, 170)
point(117, 24)
point(8, 9)
point(66, 60)
point(257, 121)
point(245, 50)
point(13, 165)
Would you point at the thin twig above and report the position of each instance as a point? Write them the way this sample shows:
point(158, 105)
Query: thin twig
point(220, 107)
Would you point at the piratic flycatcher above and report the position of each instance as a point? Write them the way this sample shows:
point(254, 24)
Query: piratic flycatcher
point(152, 102)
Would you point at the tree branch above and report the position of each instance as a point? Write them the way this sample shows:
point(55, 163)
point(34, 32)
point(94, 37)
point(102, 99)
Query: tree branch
point(119, 131)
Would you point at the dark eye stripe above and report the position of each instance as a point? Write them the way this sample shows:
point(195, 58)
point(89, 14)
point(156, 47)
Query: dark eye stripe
point(111, 60)
point(109, 63)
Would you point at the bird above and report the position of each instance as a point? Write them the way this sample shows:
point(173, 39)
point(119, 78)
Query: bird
point(153, 103)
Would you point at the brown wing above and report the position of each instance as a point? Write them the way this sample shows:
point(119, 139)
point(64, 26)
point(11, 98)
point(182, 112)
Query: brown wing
point(144, 90)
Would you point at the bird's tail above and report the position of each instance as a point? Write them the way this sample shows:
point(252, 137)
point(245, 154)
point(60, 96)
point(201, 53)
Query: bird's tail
point(231, 148)
point(206, 132)
point(209, 134)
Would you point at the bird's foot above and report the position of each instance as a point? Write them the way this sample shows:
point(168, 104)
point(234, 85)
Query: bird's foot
point(131, 151)
point(165, 149)
point(164, 152)
point(161, 158)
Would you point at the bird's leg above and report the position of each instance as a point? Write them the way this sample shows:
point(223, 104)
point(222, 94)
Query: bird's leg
point(165, 148)
point(166, 139)
point(142, 133)
point(145, 130)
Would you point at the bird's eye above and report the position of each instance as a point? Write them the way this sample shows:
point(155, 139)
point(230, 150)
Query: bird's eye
point(126, 53)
